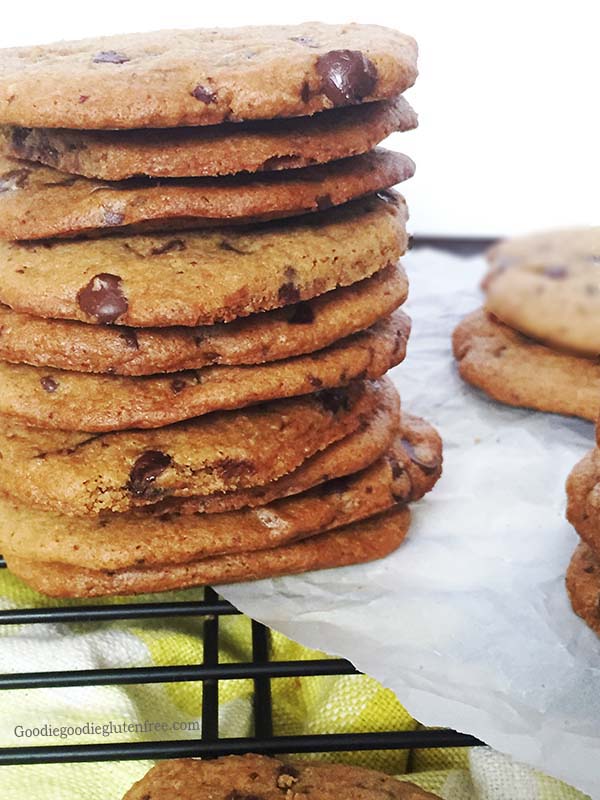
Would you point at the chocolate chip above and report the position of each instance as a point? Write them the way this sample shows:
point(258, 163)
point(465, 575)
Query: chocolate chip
point(130, 338)
point(335, 486)
point(231, 468)
point(49, 384)
point(287, 777)
point(168, 247)
point(429, 467)
point(397, 469)
point(306, 41)
point(288, 291)
point(589, 570)
point(110, 57)
point(146, 470)
point(103, 298)
point(226, 244)
point(178, 385)
point(83, 98)
point(18, 137)
point(334, 400)
point(314, 381)
point(302, 314)
point(204, 94)
point(305, 92)
point(112, 217)
point(556, 273)
point(15, 179)
point(347, 76)
point(324, 202)
point(235, 795)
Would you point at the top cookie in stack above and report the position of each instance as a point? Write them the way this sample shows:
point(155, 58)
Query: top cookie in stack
point(193, 223)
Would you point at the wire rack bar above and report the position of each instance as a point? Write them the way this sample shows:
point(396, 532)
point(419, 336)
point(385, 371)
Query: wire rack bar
point(318, 743)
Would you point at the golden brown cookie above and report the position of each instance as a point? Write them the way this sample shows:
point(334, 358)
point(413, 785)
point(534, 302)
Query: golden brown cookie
point(259, 146)
point(583, 498)
point(251, 776)
point(203, 277)
point(148, 539)
point(547, 286)
point(417, 466)
point(270, 336)
point(78, 401)
point(353, 544)
point(583, 586)
point(203, 76)
point(38, 202)
point(75, 473)
point(518, 371)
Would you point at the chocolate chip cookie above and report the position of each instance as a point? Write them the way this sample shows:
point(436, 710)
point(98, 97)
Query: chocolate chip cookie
point(202, 277)
point(273, 335)
point(583, 499)
point(518, 371)
point(38, 202)
point(220, 452)
point(548, 287)
point(251, 776)
point(353, 544)
point(203, 76)
point(583, 586)
point(78, 401)
point(264, 145)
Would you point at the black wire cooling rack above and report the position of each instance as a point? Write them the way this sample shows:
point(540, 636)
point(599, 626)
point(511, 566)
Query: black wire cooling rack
point(261, 670)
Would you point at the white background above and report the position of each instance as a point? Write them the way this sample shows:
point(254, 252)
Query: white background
point(508, 96)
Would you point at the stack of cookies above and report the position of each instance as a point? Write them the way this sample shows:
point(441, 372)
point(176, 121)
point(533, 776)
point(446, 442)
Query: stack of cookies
point(537, 341)
point(200, 298)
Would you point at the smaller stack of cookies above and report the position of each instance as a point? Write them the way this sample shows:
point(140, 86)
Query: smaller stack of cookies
point(537, 340)
point(583, 512)
point(201, 297)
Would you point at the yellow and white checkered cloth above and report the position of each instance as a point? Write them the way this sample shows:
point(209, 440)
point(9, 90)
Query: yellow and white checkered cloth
point(300, 706)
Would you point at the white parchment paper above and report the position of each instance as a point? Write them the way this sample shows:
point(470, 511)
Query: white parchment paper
point(468, 622)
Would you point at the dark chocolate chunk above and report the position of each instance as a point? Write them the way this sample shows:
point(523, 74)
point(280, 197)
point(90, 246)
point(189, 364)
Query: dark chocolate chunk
point(110, 57)
point(288, 291)
point(146, 470)
point(324, 202)
point(334, 400)
point(168, 247)
point(178, 385)
point(234, 467)
point(18, 137)
point(15, 179)
point(103, 298)
point(302, 314)
point(347, 76)
point(305, 92)
point(130, 338)
point(429, 467)
point(204, 94)
point(49, 384)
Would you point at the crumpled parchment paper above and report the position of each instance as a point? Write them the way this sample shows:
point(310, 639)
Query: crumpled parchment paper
point(469, 621)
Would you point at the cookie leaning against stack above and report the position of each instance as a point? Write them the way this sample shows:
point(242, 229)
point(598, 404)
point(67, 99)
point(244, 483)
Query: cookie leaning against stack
point(200, 297)
point(537, 341)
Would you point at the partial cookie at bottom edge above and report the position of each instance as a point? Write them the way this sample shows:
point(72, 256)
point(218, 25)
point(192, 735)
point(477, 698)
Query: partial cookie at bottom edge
point(517, 371)
point(253, 776)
